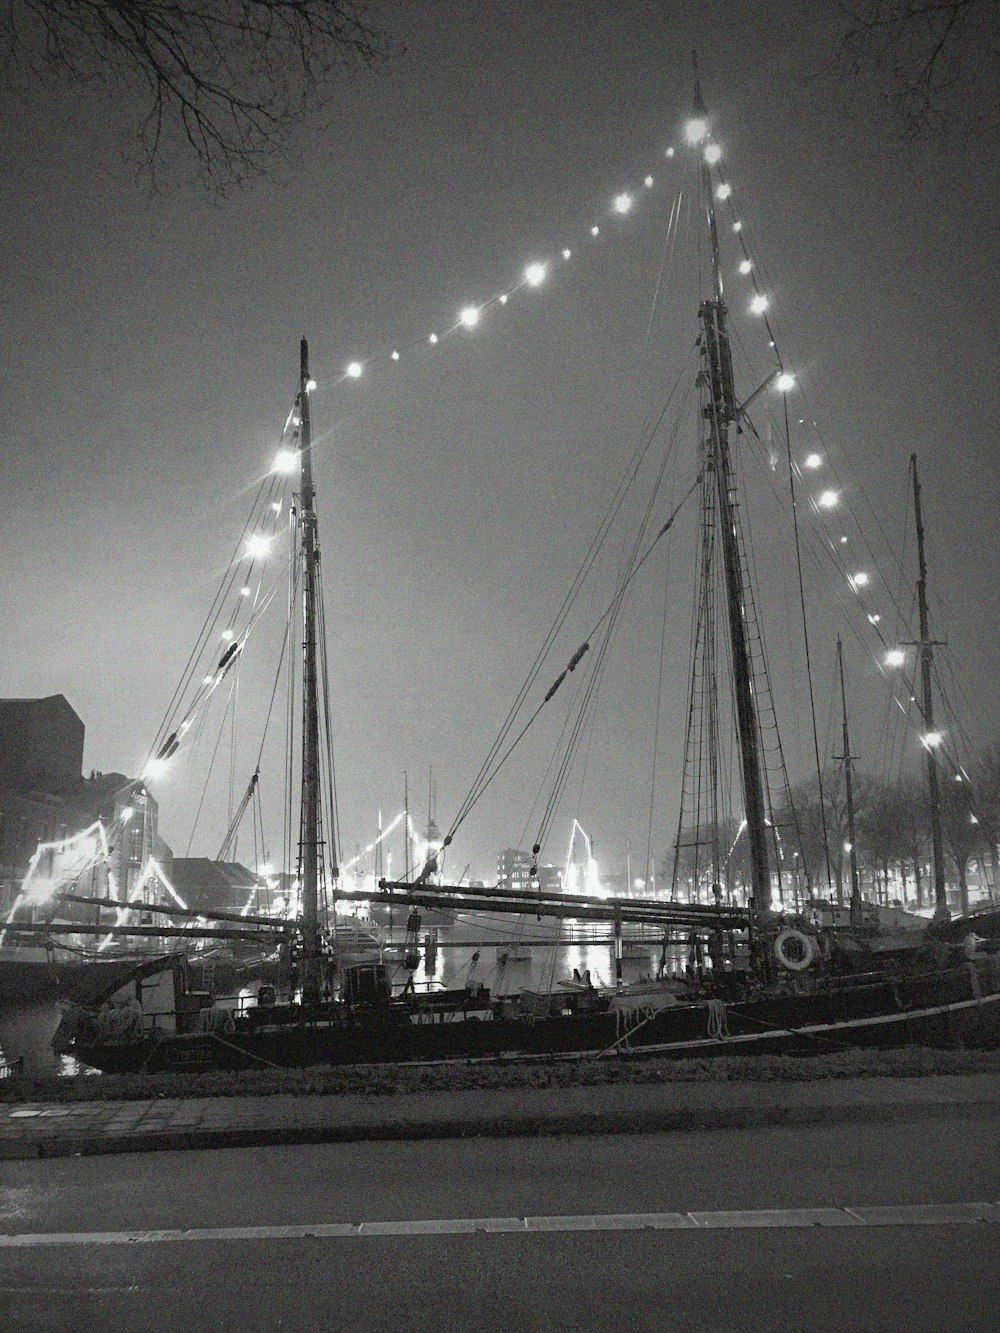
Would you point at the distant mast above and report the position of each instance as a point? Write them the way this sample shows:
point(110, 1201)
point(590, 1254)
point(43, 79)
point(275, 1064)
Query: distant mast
point(926, 648)
point(309, 828)
point(721, 411)
point(848, 759)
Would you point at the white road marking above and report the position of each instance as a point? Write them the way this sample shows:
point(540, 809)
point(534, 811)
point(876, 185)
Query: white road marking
point(921, 1214)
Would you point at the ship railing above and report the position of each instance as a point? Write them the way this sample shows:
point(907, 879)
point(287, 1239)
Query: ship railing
point(12, 1068)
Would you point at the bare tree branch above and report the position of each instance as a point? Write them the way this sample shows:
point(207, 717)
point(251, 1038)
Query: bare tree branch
point(932, 62)
point(232, 77)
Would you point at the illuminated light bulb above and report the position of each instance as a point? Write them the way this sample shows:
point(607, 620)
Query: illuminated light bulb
point(874, 618)
point(759, 304)
point(207, 680)
point(843, 541)
point(648, 182)
point(958, 777)
point(745, 266)
point(828, 499)
point(595, 231)
point(566, 254)
point(354, 370)
point(623, 202)
point(973, 819)
point(737, 226)
point(433, 339)
point(285, 460)
point(669, 152)
point(155, 769)
point(534, 274)
point(860, 579)
point(469, 317)
point(276, 506)
point(785, 382)
point(395, 356)
point(895, 657)
point(723, 192)
point(812, 462)
point(712, 153)
point(310, 386)
point(931, 739)
point(695, 130)
point(848, 845)
point(245, 590)
point(503, 298)
point(227, 634)
point(258, 545)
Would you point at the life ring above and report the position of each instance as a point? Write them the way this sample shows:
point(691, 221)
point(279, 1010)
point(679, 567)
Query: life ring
point(794, 950)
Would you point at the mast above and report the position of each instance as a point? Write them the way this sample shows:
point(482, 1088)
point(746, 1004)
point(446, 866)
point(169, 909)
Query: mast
point(849, 787)
point(309, 828)
point(721, 412)
point(926, 647)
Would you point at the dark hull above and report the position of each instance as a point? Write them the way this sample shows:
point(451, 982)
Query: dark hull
point(85, 981)
point(957, 1007)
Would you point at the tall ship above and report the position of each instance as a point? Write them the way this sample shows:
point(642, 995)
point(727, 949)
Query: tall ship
point(758, 951)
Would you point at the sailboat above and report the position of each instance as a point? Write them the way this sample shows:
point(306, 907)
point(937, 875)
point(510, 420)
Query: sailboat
point(756, 980)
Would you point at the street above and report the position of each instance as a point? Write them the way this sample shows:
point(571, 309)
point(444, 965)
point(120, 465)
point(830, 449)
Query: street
point(912, 1275)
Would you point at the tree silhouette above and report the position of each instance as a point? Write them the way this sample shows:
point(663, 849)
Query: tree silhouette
point(932, 62)
point(962, 833)
point(232, 78)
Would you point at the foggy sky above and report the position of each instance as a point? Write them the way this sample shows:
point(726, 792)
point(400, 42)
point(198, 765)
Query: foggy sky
point(152, 356)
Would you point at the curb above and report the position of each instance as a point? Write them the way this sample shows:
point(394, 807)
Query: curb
point(500, 1126)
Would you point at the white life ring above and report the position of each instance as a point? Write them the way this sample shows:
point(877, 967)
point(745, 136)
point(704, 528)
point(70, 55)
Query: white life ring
point(801, 954)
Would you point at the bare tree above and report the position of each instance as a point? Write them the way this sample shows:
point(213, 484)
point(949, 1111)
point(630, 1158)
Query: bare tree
point(231, 77)
point(932, 61)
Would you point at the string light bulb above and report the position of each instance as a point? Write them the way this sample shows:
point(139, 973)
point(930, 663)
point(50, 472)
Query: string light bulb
point(433, 339)
point(566, 253)
point(648, 182)
point(724, 191)
point(469, 317)
point(737, 226)
point(285, 460)
point(745, 266)
point(669, 152)
point(859, 580)
point(595, 231)
point(895, 657)
point(812, 462)
point(623, 202)
point(395, 356)
point(712, 154)
point(785, 382)
point(310, 386)
point(694, 131)
point(354, 370)
point(258, 545)
point(828, 499)
point(759, 304)
point(931, 739)
point(534, 274)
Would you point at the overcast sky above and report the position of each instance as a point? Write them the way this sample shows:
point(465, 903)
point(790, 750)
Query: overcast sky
point(152, 348)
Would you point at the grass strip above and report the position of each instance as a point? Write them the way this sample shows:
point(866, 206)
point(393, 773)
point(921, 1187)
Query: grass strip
point(393, 1080)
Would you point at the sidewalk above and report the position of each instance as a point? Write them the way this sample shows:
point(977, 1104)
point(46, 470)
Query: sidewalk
point(38, 1129)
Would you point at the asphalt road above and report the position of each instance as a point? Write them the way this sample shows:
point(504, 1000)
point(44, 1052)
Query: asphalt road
point(887, 1277)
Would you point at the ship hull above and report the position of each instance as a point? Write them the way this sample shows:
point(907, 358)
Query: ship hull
point(960, 1007)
